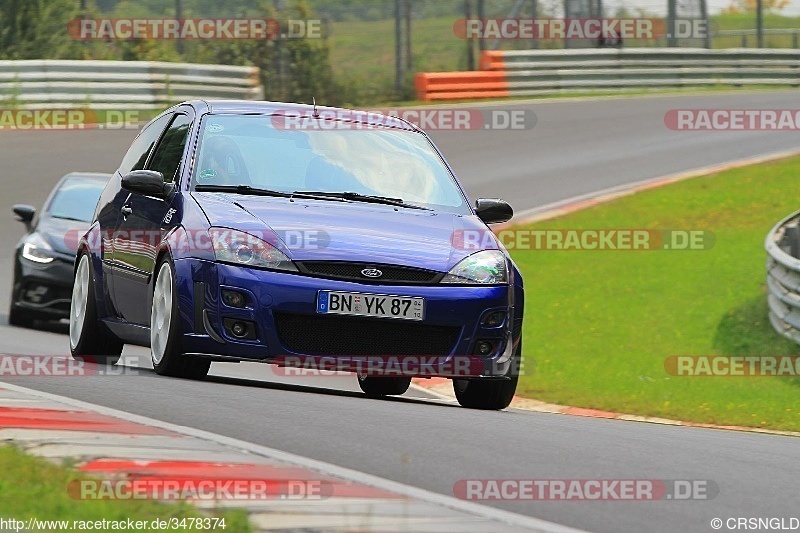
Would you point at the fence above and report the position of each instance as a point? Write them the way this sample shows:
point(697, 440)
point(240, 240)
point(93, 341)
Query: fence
point(121, 84)
point(539, 72)
point(783, 276)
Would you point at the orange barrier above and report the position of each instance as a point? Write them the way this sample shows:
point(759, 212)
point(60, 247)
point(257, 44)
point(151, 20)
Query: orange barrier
point(492, 60)
point(456, 85)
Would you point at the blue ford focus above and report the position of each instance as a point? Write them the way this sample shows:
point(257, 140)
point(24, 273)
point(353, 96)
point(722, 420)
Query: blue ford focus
point(299, 236)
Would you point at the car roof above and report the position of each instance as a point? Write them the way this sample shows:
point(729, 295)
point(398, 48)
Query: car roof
point(246, 107)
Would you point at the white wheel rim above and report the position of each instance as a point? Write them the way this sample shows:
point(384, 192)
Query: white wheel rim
point(161, 313)
point(80, 297)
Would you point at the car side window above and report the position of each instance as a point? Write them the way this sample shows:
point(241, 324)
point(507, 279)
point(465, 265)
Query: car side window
point(168, 155)
point(137, 154)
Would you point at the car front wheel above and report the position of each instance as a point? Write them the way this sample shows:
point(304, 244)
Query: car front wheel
point(490, 394)
point(165, 345)
point(87, 342)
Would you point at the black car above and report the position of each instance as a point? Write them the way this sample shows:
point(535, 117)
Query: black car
point(44, 258)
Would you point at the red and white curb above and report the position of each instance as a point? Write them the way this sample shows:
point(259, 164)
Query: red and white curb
point(443, 390)
point(112, 444)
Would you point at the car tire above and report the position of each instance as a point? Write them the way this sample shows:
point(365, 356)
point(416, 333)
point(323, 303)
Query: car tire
point(489, 394)
point(20, 317)
point(376, 386)
point(165, 332)
point(87, 342)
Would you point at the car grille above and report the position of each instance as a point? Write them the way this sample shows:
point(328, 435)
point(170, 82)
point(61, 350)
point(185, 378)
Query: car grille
point(352, 271)
point(334, 335)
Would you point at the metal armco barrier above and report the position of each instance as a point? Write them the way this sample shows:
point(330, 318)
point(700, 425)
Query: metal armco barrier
point(55, 84)
point(541, 72)
point(783, 276)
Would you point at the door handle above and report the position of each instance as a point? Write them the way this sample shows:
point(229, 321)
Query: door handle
point(126, 210)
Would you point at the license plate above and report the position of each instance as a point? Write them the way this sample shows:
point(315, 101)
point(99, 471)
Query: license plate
point(374, 305)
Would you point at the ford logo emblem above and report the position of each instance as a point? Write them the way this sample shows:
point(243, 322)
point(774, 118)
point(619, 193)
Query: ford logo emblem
point(371, 273)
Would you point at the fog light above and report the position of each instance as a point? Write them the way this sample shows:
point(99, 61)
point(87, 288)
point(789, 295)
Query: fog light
point(484, 348)
point(494, 319)
point(233, 298)
point(239, 329)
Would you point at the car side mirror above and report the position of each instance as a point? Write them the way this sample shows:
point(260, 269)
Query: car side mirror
point(493, 210)
point(147, 182)
point(25, 214)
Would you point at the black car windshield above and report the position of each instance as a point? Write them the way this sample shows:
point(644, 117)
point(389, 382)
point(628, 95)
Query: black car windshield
point(259, 151)
point(76, 199)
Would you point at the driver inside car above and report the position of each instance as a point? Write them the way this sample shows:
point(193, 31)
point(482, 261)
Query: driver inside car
point(222, 163)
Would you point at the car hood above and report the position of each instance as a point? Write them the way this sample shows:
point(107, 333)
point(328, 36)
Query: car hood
point(348, 231)
point(62, 234)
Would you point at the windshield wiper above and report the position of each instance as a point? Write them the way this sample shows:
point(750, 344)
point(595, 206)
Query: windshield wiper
point(241, 189)
point(358, 197)
point(69, 218)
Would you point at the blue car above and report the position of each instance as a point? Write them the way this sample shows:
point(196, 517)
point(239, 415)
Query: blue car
point(300, 236)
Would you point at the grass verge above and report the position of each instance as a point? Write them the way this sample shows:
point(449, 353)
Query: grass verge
point(31, 487)
point(600, 324)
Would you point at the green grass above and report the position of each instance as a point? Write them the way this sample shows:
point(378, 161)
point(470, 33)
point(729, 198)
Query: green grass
point(31, 487)
point(600, 324)
point(747, 21)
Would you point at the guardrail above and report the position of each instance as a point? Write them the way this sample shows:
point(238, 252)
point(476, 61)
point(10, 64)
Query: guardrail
point(62, 84)
point(783, 276)
point(541, 72)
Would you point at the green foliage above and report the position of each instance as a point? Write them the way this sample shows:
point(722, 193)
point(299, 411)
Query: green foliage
point(32, 29)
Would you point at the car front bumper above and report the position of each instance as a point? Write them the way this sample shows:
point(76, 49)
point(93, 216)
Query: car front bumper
point(44, 288)
point(284, 326)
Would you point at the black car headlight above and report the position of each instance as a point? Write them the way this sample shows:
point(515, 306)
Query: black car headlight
point(238, 247)
point(488, 267)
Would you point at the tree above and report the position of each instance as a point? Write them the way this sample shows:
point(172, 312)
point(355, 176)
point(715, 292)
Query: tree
point(35, 29)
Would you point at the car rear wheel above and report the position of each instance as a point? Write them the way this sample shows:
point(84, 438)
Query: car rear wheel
point(376, 386)
point(87, 342)
point(490, 394)
point(165, 334)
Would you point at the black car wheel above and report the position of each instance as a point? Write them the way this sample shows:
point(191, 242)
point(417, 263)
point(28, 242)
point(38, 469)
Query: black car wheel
point(87, 342)
point(165, 345)
point(490, 394)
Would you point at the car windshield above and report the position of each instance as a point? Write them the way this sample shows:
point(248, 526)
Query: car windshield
point(76, 199)
point(254, 150)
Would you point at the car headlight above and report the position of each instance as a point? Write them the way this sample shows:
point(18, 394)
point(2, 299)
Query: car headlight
point(232, 246)
point(37, 249)
point(488, 267)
